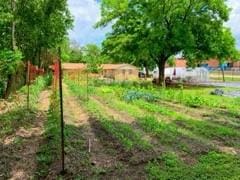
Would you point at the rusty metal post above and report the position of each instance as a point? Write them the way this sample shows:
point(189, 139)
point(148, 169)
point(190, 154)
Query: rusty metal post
point(61, 112)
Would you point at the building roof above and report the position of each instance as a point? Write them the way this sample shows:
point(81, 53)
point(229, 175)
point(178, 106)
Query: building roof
point(118, 66)
point(77, 66)
point(181, 63)
point(73, 66)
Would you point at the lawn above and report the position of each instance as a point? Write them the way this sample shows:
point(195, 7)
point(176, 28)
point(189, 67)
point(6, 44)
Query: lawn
point(189, 133)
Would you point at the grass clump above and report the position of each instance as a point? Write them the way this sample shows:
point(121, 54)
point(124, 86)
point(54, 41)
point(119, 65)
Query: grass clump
point(167, 166)
point(165, 132)
point(213, 165)
point(35, 89)
point(11, 121)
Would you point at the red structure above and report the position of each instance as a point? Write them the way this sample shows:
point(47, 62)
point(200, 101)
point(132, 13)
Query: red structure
point(55, 68)
point(33, 72)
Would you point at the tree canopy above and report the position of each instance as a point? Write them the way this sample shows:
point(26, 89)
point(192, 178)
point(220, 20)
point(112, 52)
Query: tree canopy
point(30, 28)
point(165, 28)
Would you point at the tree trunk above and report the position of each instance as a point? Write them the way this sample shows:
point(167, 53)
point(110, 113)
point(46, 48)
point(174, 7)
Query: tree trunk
point(223, 75)
point(9, 86)
point(39, 57)
point(14, 44)
point(161, 73)
point(11, 77)
point(147, 71)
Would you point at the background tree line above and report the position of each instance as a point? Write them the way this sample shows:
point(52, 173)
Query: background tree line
point(29, 30)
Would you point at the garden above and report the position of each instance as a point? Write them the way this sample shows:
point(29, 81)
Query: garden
point(155, 133)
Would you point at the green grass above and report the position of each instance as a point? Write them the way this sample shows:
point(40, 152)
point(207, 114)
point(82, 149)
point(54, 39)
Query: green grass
point(165, 132)
point(11, 121)
point(210, 166)
point(35, 89)
point(123, 132)
point(49, 151)
point(203, 128)
point(19, 116)
point(182, 134)
point(200, 127)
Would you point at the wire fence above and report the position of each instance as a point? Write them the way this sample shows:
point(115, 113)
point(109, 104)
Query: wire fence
point(231, 75)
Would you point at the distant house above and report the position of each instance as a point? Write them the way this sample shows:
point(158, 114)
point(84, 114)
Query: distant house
point(235, 65)
point(73, 69)
point(179, 63)
point(112, 71)
point(211, 63)
point(214, 63)
point(120, 71)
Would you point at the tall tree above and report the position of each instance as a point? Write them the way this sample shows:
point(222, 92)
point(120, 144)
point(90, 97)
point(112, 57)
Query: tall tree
point(71, 51)
point(166, 27)
point(92, 57)
point(29, 29)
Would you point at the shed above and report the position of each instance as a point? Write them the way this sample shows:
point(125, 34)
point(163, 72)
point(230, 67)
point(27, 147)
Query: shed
point(73, 69)
point(120, 71)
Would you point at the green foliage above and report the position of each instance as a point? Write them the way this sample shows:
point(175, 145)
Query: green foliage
point(194, 101)
point(160, 29)
point(132, 95)
point(35, 89)
point(40, 26)
point(121, 131)
point(9, 63)
point(170, 168)
point(92, 56)
point(210, 166)
point(167, 133)
point(71, 51)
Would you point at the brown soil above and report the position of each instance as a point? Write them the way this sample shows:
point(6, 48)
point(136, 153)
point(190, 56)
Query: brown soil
point(194, 146)
point(125, 118)
point(99, 155)
point(19, 149)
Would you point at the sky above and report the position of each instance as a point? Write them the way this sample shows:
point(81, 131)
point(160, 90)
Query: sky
point(87, 12)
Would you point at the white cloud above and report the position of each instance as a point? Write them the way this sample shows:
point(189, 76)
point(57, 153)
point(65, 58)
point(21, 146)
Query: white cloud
point(86, 13)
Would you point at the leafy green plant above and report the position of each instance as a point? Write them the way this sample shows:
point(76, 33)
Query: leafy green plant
point(132, 95)
point(194, 101)
point(9, 62)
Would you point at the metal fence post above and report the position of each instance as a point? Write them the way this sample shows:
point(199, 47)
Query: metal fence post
point(61, 111)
